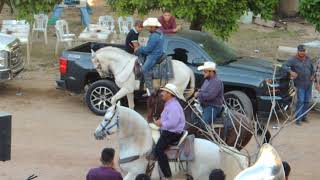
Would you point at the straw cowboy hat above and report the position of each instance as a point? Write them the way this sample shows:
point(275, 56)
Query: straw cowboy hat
point(172, 89)
point(151, 22)
point(207, 66)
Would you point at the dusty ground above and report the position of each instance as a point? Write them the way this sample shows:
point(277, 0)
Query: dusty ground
point(52, 130)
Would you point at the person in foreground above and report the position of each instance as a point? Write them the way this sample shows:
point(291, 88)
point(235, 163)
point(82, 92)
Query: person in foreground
point(287, 169)
point(301, 70)
point(171, 123)
point(142, 177)
point(217, 174)
point(107, 170)
point(211, 93)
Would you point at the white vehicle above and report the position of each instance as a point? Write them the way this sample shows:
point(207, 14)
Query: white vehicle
point(11, 61)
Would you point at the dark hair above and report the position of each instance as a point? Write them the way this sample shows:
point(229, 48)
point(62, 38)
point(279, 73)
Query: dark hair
point(107, 155)
point(138, 23)
point(286, 168)
point(301, 47)
point(166, 11)
point(142, 177)
point(217, 174)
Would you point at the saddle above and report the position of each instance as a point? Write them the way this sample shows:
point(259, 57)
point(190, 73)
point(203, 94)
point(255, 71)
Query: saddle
point(183, 150)
point(163, 69)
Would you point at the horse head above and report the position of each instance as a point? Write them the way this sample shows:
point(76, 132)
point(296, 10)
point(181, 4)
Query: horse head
point(101, 66)
point(109, 124)
point(267, 166)
point(155, 105)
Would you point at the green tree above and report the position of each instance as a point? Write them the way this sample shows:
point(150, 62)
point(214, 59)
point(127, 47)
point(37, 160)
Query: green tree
point(25, 9)
point(220, 16)
point(310, 10)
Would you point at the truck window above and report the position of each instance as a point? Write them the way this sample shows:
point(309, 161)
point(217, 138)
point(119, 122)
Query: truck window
point(184, 52)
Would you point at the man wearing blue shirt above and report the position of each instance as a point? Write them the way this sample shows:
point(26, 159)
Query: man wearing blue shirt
point(153, 50)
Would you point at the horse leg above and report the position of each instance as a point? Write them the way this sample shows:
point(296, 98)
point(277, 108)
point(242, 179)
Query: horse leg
point(120, 94)
point(130, 98)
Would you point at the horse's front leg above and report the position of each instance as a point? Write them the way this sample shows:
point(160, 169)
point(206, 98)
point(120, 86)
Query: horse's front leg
point(130, 98)
point(120, 94)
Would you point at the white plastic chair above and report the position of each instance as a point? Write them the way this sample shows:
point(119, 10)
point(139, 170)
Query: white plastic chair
point(130, 22)
point(106, 22)
point(123, 26)
point(63, 35)
point(40, 25)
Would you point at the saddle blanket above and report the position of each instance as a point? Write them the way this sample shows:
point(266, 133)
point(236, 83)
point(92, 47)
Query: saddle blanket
point(183, 153)
point(163, 70)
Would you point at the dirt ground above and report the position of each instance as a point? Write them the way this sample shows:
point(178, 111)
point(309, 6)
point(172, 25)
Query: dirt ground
point(52, 131)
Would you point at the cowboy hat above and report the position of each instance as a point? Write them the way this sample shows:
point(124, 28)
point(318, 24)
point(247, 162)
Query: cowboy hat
point(172, 89)
point(207, 66)
point(151, 22)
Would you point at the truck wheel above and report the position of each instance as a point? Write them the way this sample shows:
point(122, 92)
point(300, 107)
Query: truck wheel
point(239, 102)
point(99, 94)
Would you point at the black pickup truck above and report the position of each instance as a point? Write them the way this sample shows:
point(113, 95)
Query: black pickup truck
point(246, 79)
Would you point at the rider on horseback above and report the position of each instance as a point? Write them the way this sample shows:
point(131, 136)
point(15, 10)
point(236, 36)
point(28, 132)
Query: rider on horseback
point(210, 95)
point(153, 50)
point(171, 123)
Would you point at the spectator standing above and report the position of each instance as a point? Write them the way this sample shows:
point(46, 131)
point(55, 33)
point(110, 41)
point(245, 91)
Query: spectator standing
point(132, 39)
point(301, 70)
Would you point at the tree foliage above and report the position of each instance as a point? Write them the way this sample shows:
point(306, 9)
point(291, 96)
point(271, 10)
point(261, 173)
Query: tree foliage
point(25, 9)
point(220, 16)
point(310, 10)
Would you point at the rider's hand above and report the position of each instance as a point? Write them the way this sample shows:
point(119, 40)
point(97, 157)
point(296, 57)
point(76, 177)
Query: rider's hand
point(158, 122)
point(293, 75)
point(196, 94)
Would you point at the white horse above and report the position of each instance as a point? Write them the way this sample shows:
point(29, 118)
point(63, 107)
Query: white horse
point(268, 166)
point(135, 142)
point(121, 65)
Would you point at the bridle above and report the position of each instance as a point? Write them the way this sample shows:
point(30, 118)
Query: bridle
point(115, 115)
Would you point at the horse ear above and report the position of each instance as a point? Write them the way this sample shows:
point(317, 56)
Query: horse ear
point(93, 54)
point(118, 103)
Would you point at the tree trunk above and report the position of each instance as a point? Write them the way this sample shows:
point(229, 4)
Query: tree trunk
point(197, 23)
point(1, 5)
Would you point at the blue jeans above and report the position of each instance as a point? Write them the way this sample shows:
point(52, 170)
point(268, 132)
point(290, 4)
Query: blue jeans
point(210, 113)
point(303, 100)
point(85, 17)
point(150, 62)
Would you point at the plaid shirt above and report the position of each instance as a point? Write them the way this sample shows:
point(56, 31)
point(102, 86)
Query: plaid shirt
point(317, 74)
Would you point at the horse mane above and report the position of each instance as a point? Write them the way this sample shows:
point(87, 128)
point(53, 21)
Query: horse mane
point(135, 127)
point(114, 52)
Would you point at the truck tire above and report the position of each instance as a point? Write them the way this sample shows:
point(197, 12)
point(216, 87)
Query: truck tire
point(239, 102)
point(99, 94)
